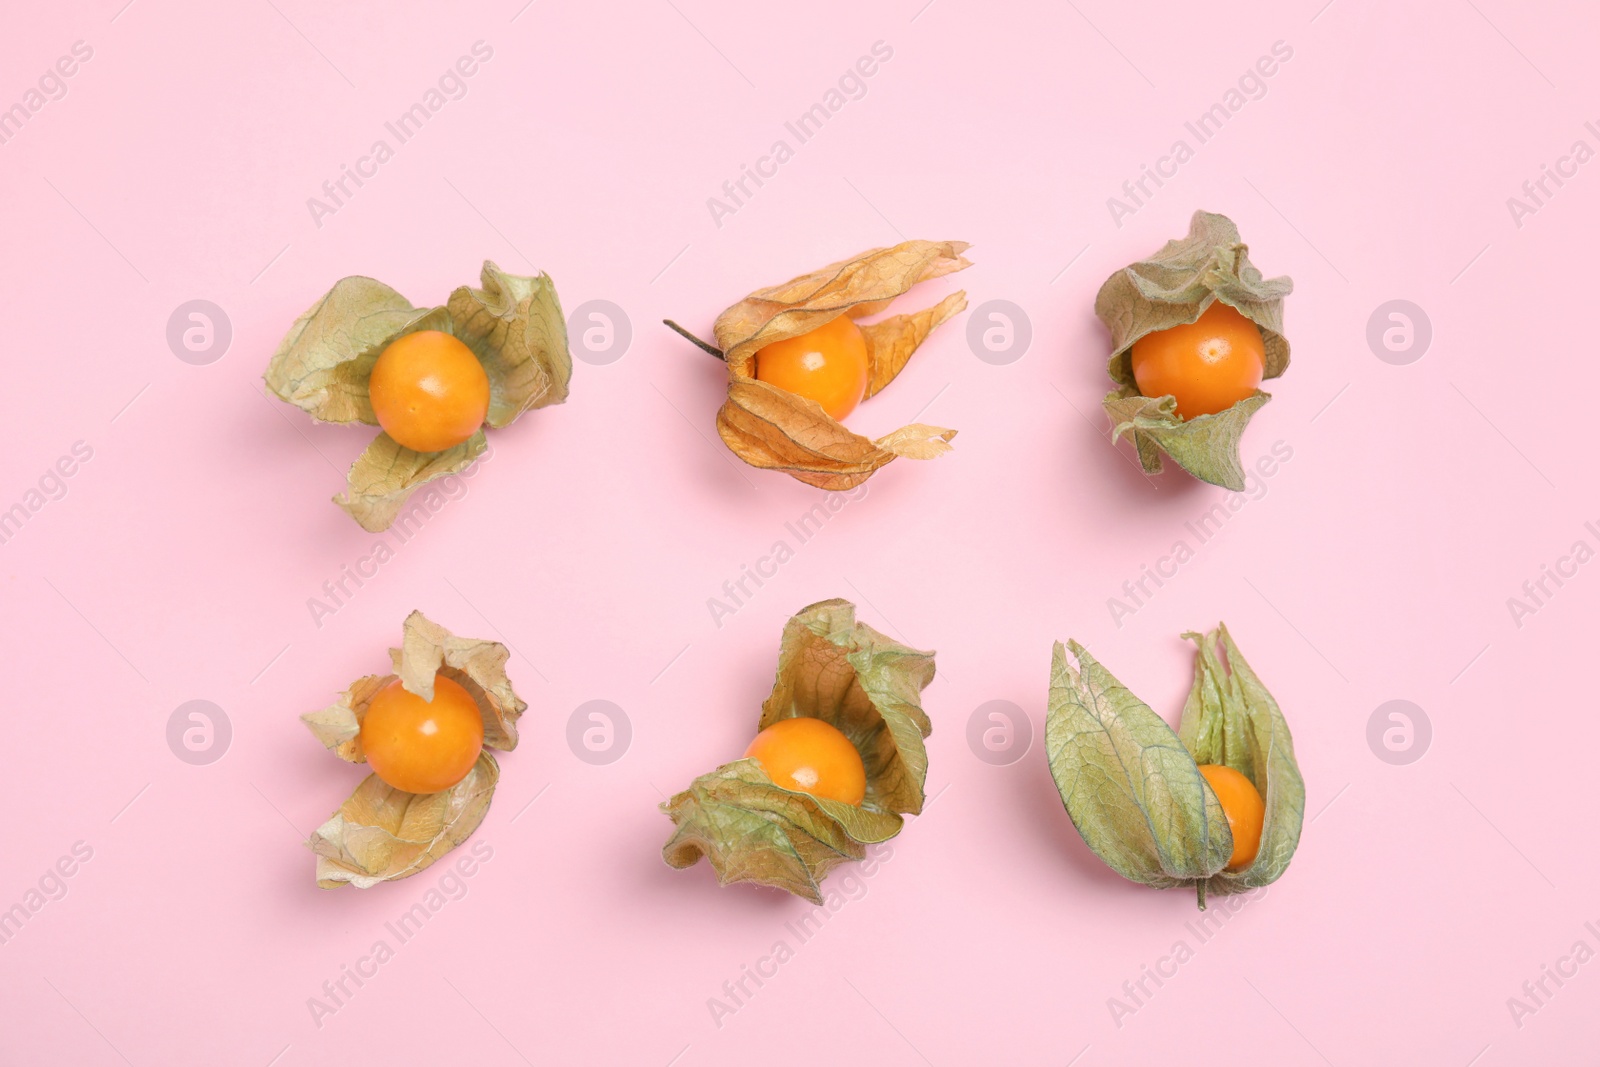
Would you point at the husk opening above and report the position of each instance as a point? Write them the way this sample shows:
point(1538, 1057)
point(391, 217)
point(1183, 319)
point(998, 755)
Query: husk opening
point(380, 833)
point(1173, 287)
point(773, 429)
point(513, 324)
point(1132, 785)
point(868, 686)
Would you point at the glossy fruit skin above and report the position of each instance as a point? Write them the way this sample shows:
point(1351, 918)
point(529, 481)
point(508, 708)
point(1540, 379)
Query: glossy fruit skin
point(828, 365)
point(1242, 804)
point(421, 746)
point(1208, 365)
point(813, 757)
point(429, 391)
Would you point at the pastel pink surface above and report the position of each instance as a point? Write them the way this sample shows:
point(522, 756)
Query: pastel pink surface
point(1376, 563)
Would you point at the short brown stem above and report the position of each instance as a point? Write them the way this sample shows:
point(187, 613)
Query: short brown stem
point(713, 349)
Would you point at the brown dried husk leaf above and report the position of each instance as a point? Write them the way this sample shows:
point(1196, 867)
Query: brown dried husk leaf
point(427, 649)
point(867, 686)
point(338, 726)
point(479, 667)
point(1174, 287)
point(774, 429)
point(381, 834)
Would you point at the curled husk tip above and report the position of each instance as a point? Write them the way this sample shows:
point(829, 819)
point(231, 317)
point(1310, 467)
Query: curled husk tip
point(1174, 287)
point(380, 833)
point(866, 685)
point(513, 324)
point(774, 429)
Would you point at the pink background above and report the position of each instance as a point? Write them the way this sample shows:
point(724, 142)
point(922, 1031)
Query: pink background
point(179, 563)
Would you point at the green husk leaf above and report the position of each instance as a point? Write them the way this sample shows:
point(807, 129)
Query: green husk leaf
point(1231, 719)
point(513, 324)
point(1131, 788)
point(868, 687)
point(381, 834)
point(1171, 288)
point(865, 685)
point(1206, 446)
point(323, 362)
point(754, 831)
point(387, 473)
point(479, 667)
point(515, 327)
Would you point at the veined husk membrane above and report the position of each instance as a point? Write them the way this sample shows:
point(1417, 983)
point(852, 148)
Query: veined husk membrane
point(380, 834)
point(1133, 786)
point(513, 324)
point(775, 429)
point(866, 685)
point(1171, 288)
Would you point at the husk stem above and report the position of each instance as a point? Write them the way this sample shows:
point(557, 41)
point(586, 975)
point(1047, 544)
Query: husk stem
point(704, 346)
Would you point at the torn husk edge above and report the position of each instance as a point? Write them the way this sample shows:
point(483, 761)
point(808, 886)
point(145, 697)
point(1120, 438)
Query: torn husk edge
point(774, 429)
point(380, 833)
point(513, 324)
point(1171, 288)
point(866, 685)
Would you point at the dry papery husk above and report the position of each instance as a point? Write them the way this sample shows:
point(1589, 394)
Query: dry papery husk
point(1132, 785)
point(1174, 287)
point(513, 324)
point(851, 676)
point(774, 429)
point(381, 834)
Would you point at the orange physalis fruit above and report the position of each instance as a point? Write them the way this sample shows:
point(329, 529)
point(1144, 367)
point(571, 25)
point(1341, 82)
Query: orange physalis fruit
point(1208, 365)
point(828, 365)
point(422, 746)
point(429, 391)
point(1242, 804)
point(810, 756)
